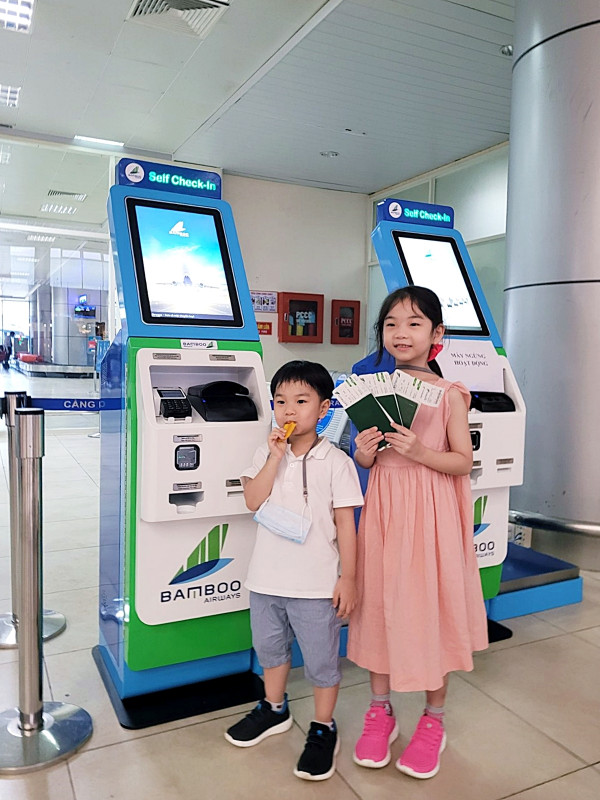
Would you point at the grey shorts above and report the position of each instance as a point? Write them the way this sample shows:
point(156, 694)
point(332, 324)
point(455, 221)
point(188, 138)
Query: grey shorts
point(314, 622)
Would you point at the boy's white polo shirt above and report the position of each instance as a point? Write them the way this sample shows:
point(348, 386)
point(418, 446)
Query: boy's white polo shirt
point(282, 567)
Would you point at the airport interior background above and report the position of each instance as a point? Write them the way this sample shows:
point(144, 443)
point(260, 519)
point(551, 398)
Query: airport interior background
point(312, 112)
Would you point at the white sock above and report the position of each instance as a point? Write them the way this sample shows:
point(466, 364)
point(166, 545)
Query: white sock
point(330, 725)
point(382, 701)
point(436, 713)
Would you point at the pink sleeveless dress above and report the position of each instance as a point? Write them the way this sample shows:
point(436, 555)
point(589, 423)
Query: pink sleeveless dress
point(420, 612)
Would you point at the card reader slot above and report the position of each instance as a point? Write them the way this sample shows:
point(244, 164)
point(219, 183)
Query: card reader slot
point(234, 486)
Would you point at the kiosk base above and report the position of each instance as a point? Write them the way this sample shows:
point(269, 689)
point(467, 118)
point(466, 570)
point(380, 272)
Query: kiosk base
point(497, 632)
point(180, 702)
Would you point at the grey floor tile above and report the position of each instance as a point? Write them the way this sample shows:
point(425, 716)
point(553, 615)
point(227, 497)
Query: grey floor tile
point(71, 534)
point(591, 635)
point(580, 615)
point(197, 761)
point(80, 608)
point(74, 678)
point(587, 573)
point(7, 656)
point(51, 783)
point(524, 630)
point(70, 569)
point(9, 686)
point(58, 510)
point(553, 684)
point(83, 486)
point(582, 785)
point(490, 753)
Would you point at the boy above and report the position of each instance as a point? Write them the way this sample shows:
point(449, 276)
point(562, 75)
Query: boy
point(302, 589)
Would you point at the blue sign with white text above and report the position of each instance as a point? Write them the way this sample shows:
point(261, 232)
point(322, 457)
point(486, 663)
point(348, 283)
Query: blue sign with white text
point(392, 210)
point(76, 404)
point(168, 177)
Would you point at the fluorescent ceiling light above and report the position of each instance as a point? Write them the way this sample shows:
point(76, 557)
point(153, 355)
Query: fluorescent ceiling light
point(56, 208)
point(37, 237)
point(15, 15)
point(93, 140)
point(9, 95)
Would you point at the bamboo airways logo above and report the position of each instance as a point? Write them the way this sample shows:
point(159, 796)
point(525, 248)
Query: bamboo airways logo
point(205, 559)
point(478, 511)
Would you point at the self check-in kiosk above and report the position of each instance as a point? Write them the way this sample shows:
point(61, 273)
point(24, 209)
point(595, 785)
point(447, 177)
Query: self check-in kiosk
point(175, 533)
point(416, 243)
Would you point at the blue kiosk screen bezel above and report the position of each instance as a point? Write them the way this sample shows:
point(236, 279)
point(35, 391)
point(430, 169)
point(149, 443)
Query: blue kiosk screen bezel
point(131, 203)
point(483, 331)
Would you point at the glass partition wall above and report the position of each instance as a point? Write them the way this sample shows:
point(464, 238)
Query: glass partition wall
point(54, 273)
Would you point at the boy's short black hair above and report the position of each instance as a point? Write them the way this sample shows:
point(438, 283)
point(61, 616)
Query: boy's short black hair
point(309, 372)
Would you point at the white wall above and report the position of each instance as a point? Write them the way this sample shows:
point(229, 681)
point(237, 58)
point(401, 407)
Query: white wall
point(295, 238)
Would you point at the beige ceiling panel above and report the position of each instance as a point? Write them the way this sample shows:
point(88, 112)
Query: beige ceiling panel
point(14, 48)
point(12, 73)
point(144, 43)
point(137, 100)
point(138, 74)
point(124, 122)
point(93, 24)
point(158, 131)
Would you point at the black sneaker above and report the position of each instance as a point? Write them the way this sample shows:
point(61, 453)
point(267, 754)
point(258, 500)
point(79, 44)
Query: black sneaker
point(317, 762)
point(261, 722)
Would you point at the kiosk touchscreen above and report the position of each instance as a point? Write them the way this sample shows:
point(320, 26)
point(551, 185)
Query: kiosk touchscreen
point(175, 533)
point(417, 244)
point(182, 264)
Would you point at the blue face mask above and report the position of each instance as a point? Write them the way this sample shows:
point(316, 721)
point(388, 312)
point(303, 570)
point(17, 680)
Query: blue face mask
point(284, 522)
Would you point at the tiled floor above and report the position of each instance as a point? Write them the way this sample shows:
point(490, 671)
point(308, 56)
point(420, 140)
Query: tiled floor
point(524, 724)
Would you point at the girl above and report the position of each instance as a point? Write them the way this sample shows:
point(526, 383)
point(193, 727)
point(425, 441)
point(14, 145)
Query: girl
point(420, 612)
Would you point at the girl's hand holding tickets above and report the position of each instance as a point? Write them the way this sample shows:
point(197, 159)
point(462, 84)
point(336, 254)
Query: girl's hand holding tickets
point(368, 440)
point(405, 442)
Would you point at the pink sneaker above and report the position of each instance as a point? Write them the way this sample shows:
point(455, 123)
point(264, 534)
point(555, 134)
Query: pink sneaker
point(379, 731)
point(421, 759)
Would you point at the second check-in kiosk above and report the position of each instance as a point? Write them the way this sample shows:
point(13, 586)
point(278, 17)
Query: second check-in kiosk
point(176, 535)
point(416, 243)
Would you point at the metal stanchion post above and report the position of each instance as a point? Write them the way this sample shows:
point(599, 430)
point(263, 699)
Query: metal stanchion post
point(8, 621)
point(53, 623)
point(35, 734)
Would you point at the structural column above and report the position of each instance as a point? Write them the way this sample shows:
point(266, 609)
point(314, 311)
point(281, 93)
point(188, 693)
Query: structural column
point(552, 329)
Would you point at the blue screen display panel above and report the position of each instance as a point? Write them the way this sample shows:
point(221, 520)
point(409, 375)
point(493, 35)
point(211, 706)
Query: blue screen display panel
point(182, 264)
point(435, 262)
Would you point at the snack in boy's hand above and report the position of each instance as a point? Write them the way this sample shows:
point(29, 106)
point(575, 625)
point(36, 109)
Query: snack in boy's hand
point(289, 429)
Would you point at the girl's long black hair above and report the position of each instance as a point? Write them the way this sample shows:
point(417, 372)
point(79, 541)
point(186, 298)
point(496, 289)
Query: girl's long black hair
point(425, 300)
